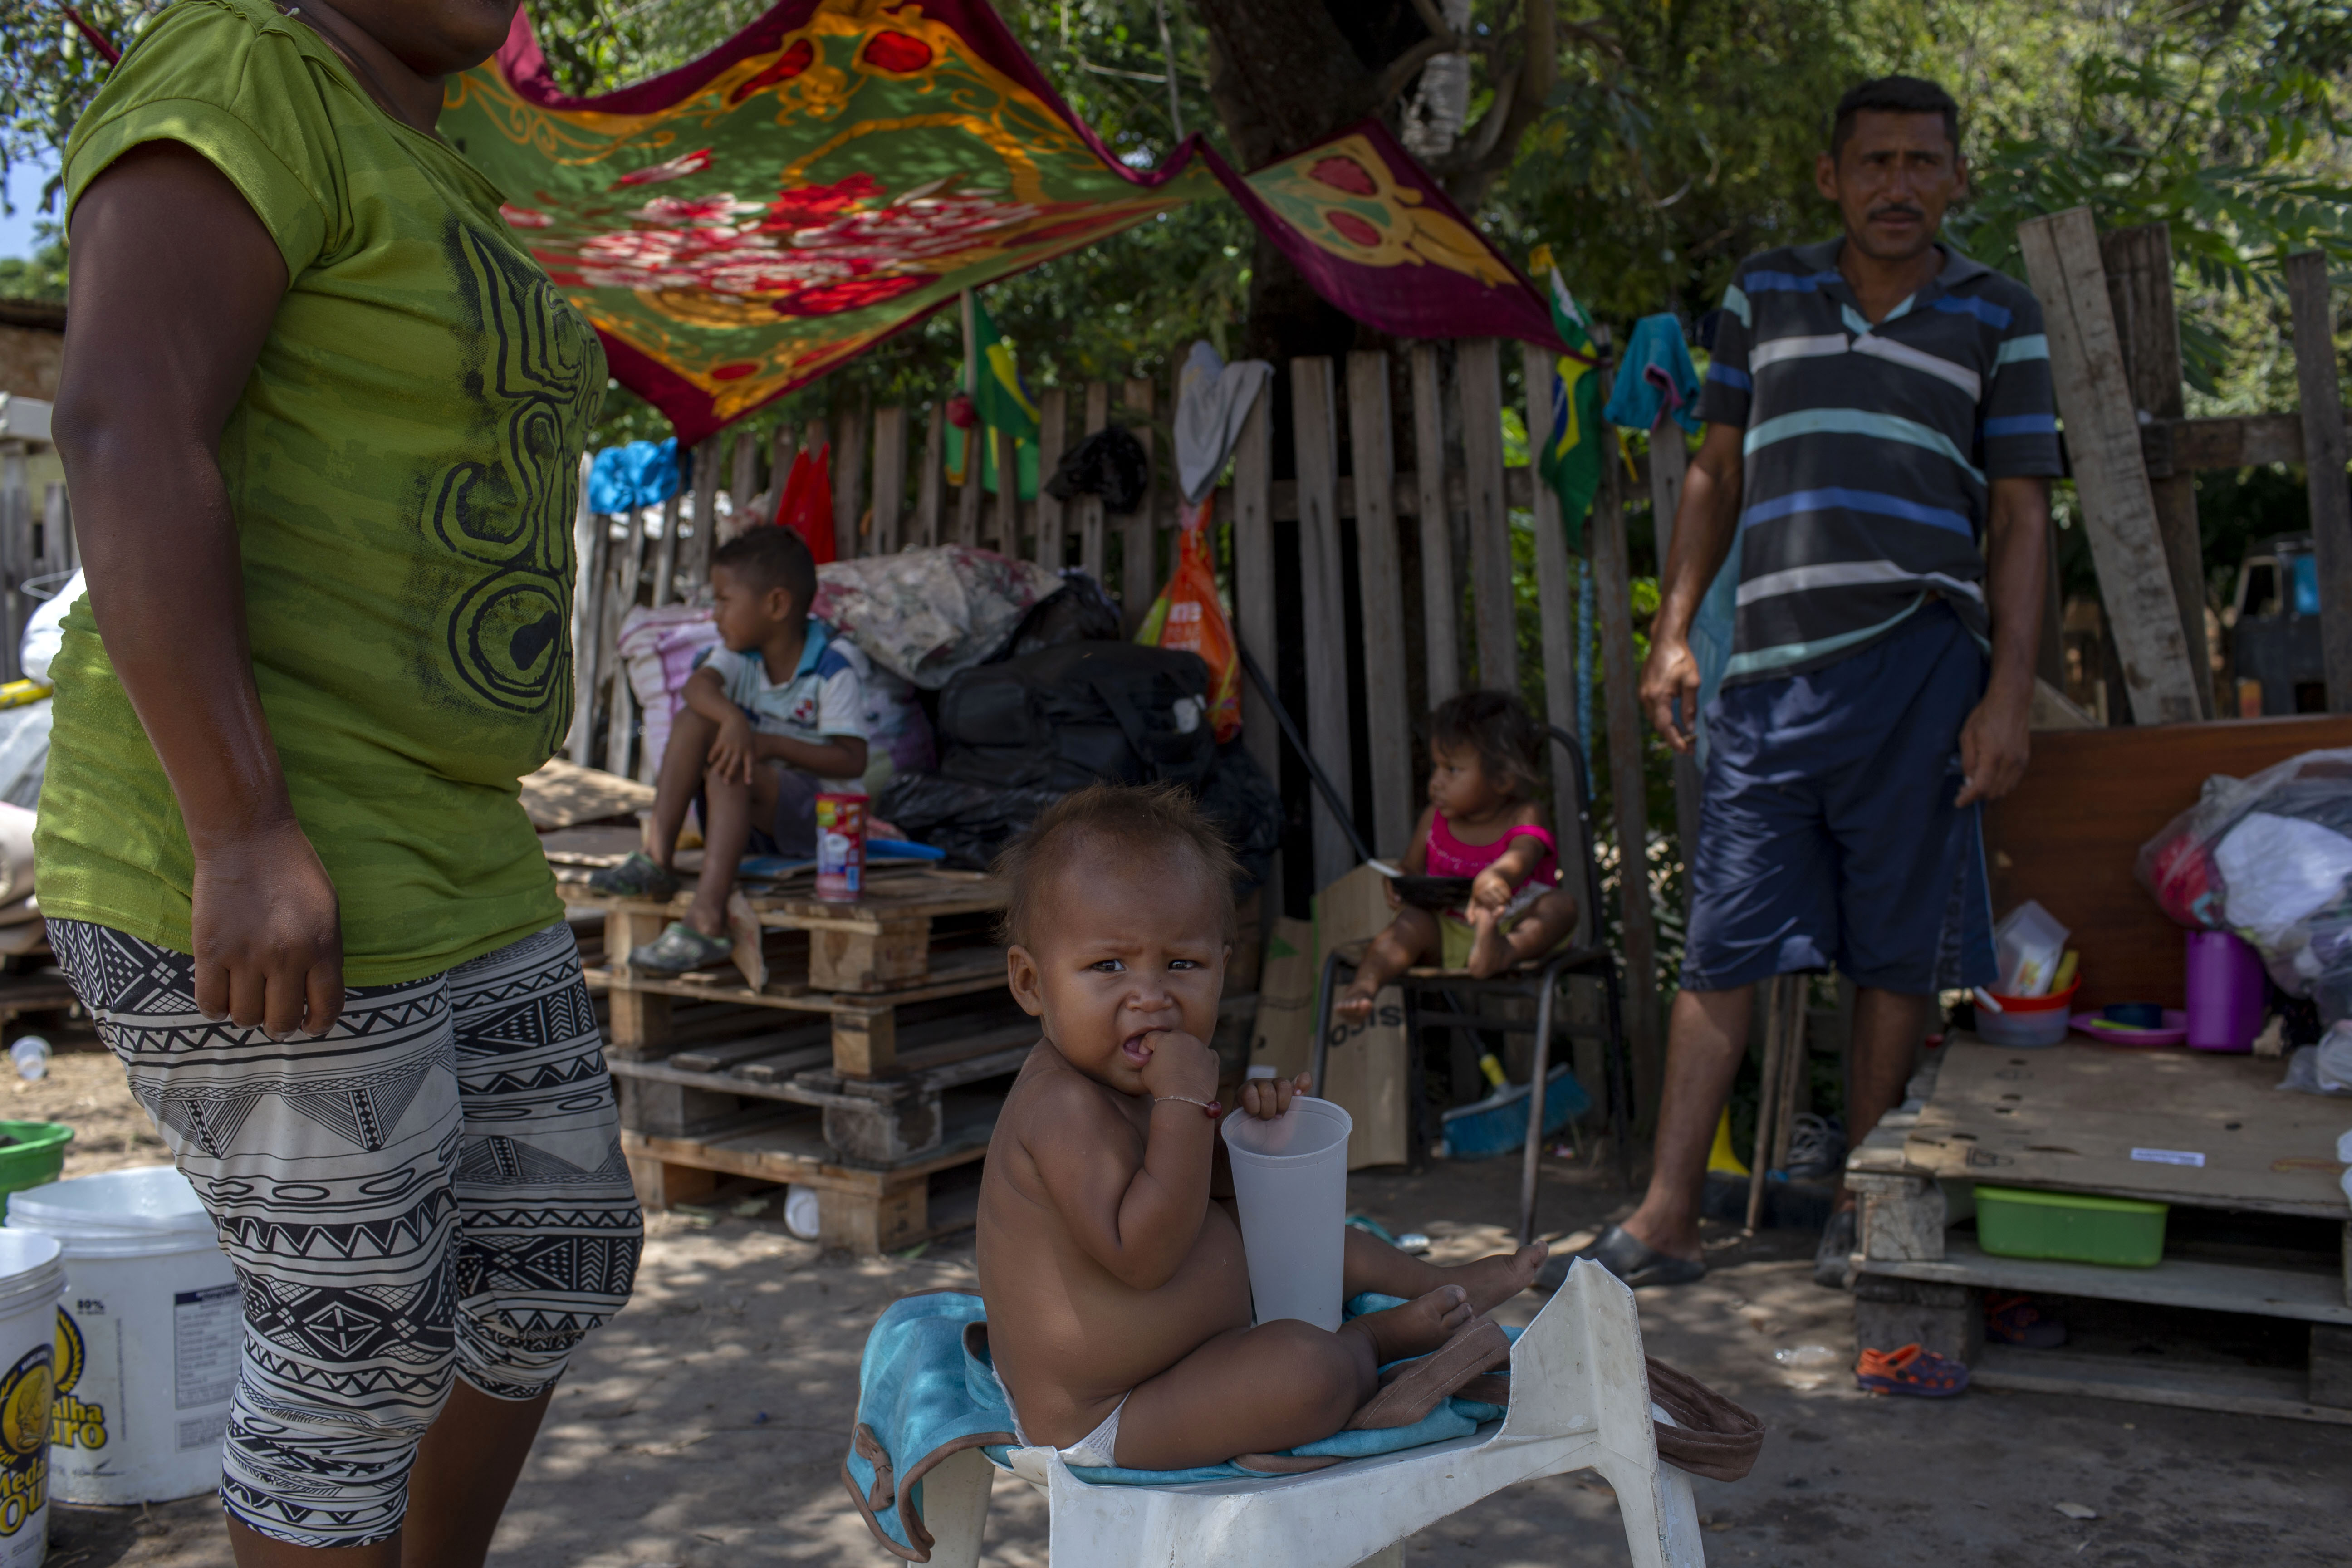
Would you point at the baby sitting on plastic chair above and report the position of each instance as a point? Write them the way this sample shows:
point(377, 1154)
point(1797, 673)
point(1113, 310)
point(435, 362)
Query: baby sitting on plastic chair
point(1482, 826)
point(1118, 1295)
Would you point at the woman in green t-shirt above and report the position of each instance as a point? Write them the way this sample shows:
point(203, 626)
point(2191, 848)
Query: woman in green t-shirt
point(323, 414)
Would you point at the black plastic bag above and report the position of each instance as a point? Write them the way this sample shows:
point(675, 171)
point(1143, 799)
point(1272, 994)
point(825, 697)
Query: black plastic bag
point(1078, 611)
point(971, 822)
point(1066, 717)
point(1112, 464)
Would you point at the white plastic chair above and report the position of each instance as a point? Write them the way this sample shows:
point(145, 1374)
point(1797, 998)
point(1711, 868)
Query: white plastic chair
point(1579, 1400)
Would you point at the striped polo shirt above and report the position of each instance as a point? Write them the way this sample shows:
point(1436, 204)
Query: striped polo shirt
point(1869, 450)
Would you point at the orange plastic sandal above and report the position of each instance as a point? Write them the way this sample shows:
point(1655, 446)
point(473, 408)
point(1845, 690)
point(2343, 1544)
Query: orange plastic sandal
point(1910, 1370)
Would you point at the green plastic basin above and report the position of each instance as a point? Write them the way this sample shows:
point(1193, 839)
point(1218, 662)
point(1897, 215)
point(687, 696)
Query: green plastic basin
point(33, 1155)
point(2075, 1227)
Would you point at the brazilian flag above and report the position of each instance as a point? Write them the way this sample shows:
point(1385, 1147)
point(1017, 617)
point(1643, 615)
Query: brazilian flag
point(1569, 458)
point(1002, 403)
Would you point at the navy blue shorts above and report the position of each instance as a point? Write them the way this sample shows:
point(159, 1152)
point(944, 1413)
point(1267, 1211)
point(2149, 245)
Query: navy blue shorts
point(1827, 835)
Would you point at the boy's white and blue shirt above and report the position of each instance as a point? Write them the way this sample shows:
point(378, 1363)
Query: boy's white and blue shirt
point(823, 699)
point(1870, 450)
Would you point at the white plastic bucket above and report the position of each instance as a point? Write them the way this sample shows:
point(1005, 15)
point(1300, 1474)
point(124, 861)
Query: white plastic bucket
point(148, 1340)
point(30, 1283)
point(1290, 1180)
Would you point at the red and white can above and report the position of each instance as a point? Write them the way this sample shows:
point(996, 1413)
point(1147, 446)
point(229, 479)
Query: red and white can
point(840, 848)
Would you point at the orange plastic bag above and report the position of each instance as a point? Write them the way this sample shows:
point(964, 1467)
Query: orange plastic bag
point(1188, 615)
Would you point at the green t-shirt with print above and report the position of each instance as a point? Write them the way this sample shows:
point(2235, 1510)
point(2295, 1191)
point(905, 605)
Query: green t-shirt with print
point(403, 466)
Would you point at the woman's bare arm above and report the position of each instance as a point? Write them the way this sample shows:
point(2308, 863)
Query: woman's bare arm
point(175, 285)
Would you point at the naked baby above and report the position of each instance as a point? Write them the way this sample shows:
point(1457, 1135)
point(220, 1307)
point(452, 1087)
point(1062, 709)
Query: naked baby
point(1118, 1298)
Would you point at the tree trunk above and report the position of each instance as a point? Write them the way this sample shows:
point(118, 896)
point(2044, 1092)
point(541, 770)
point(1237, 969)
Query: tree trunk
point(1283, 75)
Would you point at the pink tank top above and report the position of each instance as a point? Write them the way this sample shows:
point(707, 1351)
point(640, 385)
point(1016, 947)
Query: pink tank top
point(1449, 857)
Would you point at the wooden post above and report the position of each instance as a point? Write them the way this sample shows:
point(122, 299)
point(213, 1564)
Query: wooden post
point(1556, 610)
point(1093, 550)
point(1441, 603)
point(1053, 436)
point(970, 493)
point(1380, 587)
point(1613, 589)
point(706, 502)
point(889, 478)
point(1316, 437)
point(848, 481)
point(1480, 372)
point(2061, 256)
point(1253, 599)
point(2139, 290)
point(780, 449)
point(933, 480)
point(2323, 466)
point(1669, 466)
point(1139, 575)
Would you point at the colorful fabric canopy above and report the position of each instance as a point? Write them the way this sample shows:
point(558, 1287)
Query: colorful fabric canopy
point(839, 169)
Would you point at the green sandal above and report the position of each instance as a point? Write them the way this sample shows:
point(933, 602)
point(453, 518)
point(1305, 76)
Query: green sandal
point(638, 877)
point(679, 948)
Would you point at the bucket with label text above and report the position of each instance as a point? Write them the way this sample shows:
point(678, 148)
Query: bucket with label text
point(31, 1278)
point(840, 848)
point(147, 1341)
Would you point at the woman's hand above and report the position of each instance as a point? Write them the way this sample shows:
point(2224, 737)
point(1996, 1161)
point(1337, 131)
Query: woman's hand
point(268, 933)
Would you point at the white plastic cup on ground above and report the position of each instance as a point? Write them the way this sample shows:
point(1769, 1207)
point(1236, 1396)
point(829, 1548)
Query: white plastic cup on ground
point(31, 1055)
point(1290, 1179)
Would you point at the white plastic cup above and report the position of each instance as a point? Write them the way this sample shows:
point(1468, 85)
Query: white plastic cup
point(31, 1055)
point(1290, 1178)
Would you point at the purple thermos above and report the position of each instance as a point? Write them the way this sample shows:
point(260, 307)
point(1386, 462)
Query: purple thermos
point(2225, 992)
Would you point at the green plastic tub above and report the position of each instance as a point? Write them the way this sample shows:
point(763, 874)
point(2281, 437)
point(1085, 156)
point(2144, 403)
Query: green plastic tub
point(2077, 1228)
point(33, 1154)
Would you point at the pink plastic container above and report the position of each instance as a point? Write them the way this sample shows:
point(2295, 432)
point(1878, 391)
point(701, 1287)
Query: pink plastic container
point(2225, 992)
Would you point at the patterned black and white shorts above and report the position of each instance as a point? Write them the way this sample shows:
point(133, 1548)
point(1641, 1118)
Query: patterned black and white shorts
point(434, 1188)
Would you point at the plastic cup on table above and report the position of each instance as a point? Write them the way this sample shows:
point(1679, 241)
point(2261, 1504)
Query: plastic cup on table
point(2225, 992)
point(1290, 1182)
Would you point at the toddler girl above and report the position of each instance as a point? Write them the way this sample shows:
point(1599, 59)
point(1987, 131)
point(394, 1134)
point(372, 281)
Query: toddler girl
point(1482, 823)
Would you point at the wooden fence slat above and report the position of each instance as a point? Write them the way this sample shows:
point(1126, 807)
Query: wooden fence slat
point(587, 566)
point(1093, 550)
point(706, 502)
point(742, 490)
point(889, 479)
point(1480, 373)
point(1138, 576)
point(1254, 589)
point(1380, 588)
point(2323, 443)
point(971, 492)
point(1556, 599)
point(931, 482)
point(1669, 466)
point(1006, 520)
point(1614, 590)
point(1441, 603)
point(848, 482)
point(1052, 439)
point(620, 594)
point(1315, 438)
point(781, 451)
point(2062, 258)
point(2138, 262)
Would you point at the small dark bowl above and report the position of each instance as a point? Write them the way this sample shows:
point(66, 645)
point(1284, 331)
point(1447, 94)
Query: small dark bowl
point(1432, 892)
point(2135, 1015)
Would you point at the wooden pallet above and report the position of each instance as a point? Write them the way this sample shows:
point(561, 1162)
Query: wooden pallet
point(866, 1210)
point(2067, 1119)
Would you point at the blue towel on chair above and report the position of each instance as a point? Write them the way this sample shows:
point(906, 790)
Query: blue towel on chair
point(926, 1390)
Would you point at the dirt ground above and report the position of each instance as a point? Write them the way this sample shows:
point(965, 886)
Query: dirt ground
point(706, 1425)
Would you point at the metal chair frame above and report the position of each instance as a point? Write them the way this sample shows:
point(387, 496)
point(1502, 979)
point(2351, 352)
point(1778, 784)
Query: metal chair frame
point(1595, 959)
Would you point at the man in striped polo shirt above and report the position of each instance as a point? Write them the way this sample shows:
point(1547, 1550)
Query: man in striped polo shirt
point(1879, 443)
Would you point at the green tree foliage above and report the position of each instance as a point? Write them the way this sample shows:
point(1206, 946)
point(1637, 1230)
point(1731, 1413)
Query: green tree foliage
point(48, 72)
point(42, 275)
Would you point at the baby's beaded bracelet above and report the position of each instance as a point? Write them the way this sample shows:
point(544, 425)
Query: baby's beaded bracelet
point(1210, 1108)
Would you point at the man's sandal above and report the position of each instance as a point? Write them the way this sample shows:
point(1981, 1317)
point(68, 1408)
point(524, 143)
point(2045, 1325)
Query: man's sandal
point(638, 877)
point(1629, 1258)
point(679, 948)
point(1910, 1370)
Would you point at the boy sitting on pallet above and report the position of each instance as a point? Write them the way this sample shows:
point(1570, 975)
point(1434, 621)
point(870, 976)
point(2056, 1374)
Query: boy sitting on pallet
point(771, 718)
point(1117, 1294)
